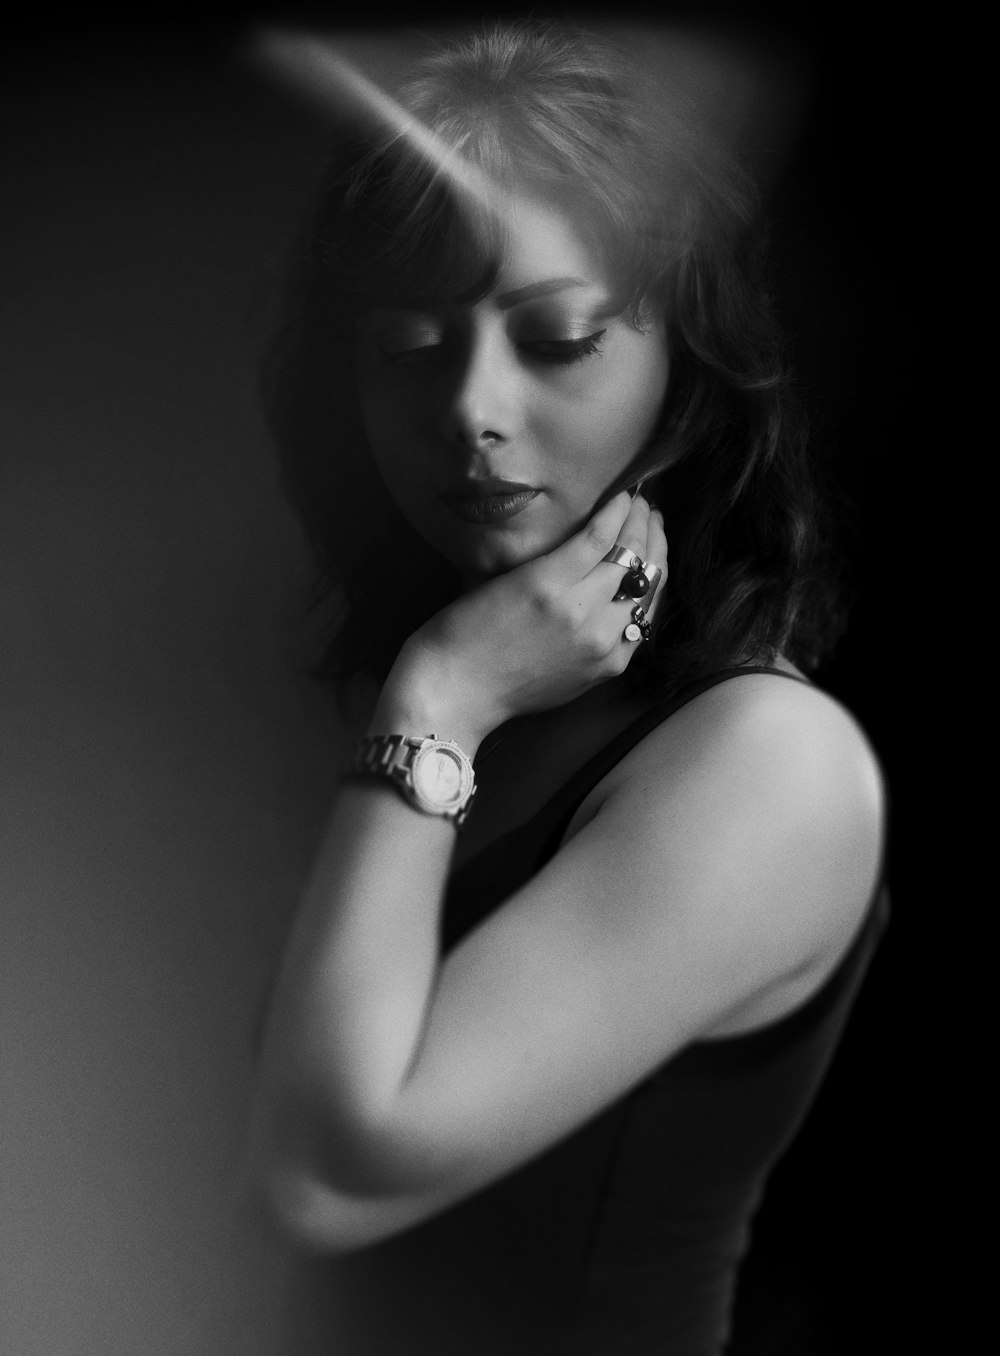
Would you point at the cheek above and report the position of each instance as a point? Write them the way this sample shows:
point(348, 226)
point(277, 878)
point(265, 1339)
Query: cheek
point(601, 431)
point(635, 414)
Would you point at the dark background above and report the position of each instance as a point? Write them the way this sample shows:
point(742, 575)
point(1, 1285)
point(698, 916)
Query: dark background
point(166, 767)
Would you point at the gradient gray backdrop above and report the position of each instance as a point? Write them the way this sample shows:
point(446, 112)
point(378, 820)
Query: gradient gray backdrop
point(163, 766)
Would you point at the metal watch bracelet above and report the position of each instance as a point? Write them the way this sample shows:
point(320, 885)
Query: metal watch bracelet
point(395, 756)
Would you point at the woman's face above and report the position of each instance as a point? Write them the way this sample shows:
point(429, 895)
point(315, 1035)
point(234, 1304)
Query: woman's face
point(496, 427)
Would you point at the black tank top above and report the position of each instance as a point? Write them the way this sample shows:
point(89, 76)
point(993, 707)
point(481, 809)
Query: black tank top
point(626, 1237)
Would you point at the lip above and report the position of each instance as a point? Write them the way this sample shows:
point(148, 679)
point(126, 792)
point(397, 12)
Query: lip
point(490, 500)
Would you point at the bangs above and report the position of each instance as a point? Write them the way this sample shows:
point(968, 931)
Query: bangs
point(406, 234)
point(404, 229)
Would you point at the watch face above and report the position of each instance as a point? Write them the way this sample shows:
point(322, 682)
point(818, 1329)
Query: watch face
point(440, 778)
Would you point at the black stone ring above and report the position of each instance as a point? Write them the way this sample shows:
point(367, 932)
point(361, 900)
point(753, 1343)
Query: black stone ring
point(636, 583)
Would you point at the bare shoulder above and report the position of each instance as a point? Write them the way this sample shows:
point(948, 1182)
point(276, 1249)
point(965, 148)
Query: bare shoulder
point(761, 735)
point(762, 801)
point(763, 726)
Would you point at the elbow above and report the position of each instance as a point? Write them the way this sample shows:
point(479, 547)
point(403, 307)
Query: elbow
point(310, 1216)
point(309, 1208)
point(307, 1215)
point(332, 1185)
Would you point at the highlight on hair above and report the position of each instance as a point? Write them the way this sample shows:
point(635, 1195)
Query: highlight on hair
point(681, 229)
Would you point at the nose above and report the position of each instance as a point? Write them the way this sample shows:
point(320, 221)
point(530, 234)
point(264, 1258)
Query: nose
point(480, 405)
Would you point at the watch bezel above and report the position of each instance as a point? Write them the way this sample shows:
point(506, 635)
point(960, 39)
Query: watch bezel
point(454, 804)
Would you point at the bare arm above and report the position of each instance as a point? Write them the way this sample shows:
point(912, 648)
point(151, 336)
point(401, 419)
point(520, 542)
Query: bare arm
point(730, 854)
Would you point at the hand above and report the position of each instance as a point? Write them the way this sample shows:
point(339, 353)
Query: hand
point(529, 640)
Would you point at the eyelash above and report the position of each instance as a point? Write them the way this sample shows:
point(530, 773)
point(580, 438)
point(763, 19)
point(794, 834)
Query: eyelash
point(564, 351)
point(559, 352)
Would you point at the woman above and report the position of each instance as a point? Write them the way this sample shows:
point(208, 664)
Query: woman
point(532, 1051)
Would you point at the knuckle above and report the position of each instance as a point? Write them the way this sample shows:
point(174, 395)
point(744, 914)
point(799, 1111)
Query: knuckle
point(600, 536)
point(543, 596)
point(594, 647)
point(618, 656)
point(566, 612)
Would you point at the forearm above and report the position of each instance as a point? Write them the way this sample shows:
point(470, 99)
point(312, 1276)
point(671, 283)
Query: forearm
point(355, 985)
point(362, 956)
point(367, 1029)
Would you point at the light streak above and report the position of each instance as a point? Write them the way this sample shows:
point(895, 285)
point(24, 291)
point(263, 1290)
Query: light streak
point(316, 69)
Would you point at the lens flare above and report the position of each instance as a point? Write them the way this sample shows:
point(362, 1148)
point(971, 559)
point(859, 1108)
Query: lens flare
point(315, 69)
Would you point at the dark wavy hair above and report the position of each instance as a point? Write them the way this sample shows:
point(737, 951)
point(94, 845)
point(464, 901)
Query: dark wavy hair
point(681, 228)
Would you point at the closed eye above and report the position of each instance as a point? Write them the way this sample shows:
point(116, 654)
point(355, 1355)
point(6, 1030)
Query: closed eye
point(562, 350)
point(395, 353)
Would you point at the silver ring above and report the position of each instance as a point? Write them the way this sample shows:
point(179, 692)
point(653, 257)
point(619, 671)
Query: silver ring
point(640, 579)
point(655, 576)
point(638, 628)
point(633, 564)
point(623, 556)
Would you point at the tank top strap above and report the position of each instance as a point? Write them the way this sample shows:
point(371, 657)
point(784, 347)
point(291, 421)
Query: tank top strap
point(500, 868)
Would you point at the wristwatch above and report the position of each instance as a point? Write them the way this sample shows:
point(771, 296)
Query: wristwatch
point(433, 774)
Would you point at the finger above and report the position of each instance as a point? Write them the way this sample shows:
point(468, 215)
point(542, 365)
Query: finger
point(656, 555)
point(576, 558)
point(606, 578)
point(622, 612)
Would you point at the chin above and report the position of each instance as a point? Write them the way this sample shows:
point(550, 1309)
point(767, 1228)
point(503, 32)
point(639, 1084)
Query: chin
point(480, 552)
point(489, 560)
point(502, 552)
point(483, 553)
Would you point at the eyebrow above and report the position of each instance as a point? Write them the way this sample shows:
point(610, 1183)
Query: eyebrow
point(539, 289)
